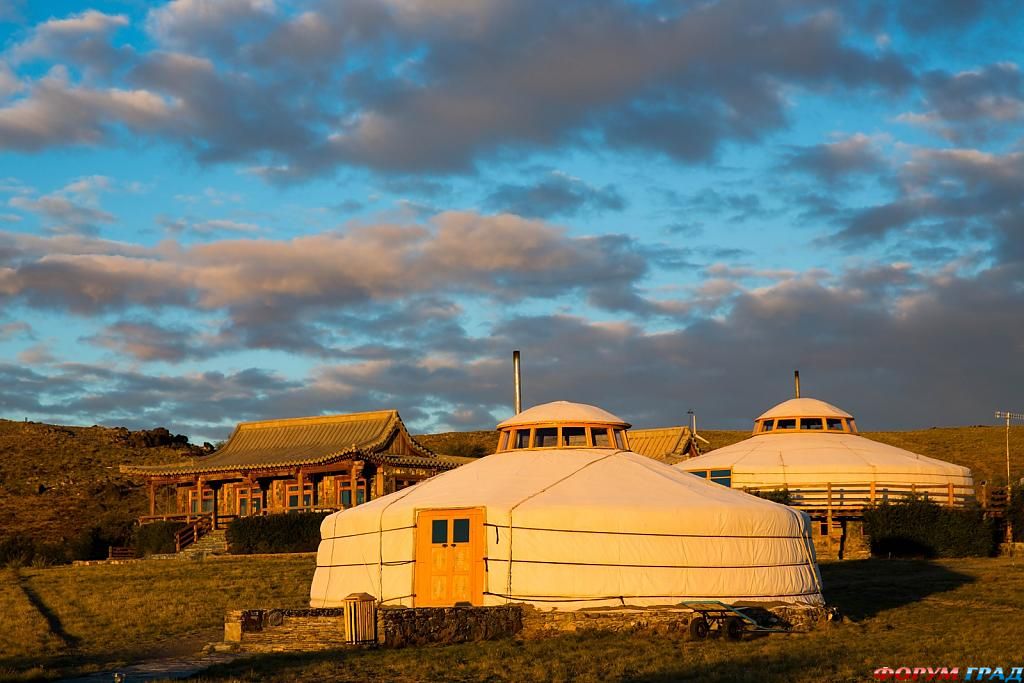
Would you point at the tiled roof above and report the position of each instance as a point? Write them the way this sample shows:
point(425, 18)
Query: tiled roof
point(666, 444)
point(306, 441)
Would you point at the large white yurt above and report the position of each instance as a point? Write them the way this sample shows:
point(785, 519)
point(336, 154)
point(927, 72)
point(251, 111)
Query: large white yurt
point(812, 450)
point(565, 516)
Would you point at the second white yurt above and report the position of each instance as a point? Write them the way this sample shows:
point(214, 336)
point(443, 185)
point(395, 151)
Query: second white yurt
point(565, 516)
point(812, 449)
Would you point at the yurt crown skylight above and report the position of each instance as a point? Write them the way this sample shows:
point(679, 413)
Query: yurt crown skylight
point(805, 415)
point(562, 424)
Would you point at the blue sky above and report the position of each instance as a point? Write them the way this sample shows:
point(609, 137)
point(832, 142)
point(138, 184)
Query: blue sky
point(221, 211)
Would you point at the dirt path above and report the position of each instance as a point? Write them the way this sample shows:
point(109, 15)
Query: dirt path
point(160, 669)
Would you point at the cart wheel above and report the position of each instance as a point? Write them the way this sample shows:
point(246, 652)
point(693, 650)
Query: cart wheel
point(699, 628)
point(734, 628)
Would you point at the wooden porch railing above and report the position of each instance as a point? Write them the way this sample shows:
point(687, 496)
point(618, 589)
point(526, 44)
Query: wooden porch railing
point(852, 498)
point(192, 533)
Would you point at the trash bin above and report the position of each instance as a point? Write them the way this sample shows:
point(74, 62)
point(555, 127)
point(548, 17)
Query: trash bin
point(360, 618)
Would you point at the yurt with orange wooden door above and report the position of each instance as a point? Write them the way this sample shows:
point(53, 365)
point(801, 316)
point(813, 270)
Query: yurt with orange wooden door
point(565, 516)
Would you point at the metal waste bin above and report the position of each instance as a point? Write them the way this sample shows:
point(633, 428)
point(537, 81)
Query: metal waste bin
point(360, 618)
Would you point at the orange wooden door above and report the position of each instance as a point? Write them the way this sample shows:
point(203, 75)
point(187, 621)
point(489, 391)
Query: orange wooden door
point(449, 557)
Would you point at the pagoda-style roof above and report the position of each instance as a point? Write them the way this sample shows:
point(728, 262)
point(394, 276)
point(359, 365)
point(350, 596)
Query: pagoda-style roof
point(310, 441)
point(669, 445)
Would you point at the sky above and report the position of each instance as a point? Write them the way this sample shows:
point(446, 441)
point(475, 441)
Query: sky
point(214, 212)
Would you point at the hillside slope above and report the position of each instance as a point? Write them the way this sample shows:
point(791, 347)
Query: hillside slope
point(56, 481)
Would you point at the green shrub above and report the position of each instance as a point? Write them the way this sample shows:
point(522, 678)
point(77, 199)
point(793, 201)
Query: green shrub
point(296, 532)
point(918, 527)
point(94, 543)
point(20, 551)
point(781, 496)
point(156, 538)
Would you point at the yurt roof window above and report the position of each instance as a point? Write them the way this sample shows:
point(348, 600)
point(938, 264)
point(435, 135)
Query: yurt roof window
point(806, 416)
point(562, 424)
point(562, 436)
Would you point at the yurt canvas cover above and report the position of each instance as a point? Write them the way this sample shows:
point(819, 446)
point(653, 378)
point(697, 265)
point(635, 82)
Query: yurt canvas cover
point(574, 528)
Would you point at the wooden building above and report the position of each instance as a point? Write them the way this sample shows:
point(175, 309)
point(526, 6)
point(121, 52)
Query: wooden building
point(300, 464)
point(670, 445)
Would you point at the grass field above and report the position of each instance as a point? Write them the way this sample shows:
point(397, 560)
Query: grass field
point(67, 620)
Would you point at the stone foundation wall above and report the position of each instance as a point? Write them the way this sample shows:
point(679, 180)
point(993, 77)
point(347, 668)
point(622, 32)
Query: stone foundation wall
point(402, 626)
point(665, 621)
point(263, 630)
point(846, 542)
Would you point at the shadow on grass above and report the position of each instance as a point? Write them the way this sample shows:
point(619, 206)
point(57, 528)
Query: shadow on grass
point(271, 663)
point(863, 588)
point(52, 620)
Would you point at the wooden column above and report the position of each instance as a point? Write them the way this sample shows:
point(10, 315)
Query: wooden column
point(263, 485)
point(314, 499)
point(357, 470)
point(216, 495)
point(378, 481)
point(152, 498)
point(199, 496)
point(300, 479)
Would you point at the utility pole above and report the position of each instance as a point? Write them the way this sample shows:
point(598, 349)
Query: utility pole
point(1004, 415)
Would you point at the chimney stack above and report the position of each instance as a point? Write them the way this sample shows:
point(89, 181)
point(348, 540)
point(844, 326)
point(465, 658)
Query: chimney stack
point(796, 381)
point(517, 383)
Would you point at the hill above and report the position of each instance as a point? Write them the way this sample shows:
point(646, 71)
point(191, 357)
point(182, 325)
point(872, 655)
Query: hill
point(58, 482)
point(61, 485)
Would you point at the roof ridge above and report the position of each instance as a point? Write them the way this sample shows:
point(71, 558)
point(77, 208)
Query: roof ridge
point(315, 419)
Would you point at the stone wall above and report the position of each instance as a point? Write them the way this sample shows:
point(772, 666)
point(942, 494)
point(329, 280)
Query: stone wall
point(261, 630)
point(666, 621)
point(402, 626)
point(846, 541)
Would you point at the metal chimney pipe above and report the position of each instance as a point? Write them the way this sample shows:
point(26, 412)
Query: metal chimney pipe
point(796, 381)
point(693, 421)
point(518, 383)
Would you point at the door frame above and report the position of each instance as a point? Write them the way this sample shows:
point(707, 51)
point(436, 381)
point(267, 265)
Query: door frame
point(478, 550)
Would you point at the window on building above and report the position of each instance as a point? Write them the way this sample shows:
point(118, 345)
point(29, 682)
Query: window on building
point(503, 441)
point(813, 423)
point(522, 438)
point(601, 439)
point(767, 425)
point(194, 503)
point(460, 531)
point(248, 500)
point(439, 531)
point(347, 495)
point(405, 483)
point(545, 437)
point(834, 424)
point(786, 423)
point(723, 477)
point(293, 499)
point(620, 440)
point(574, 436)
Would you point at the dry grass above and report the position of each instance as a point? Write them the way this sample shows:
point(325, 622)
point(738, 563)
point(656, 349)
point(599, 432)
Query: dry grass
point(914, 613)
point(87, 618)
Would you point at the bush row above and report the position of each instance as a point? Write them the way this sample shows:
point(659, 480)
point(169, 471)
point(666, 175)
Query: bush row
point(295, 532)
point(920, 528)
